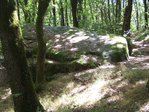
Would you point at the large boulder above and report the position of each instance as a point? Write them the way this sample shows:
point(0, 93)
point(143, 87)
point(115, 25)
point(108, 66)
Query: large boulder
point(70, 49)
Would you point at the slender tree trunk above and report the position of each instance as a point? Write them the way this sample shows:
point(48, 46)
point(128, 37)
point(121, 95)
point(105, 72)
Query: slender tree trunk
point(62, 13)
point(145, 13)
point(109, 13)
point(24, 96)
point(74, 4)
point(127, 17)
point(137, 15)
point(54, 13)
point(118, 11)
point(126, 24)
point(42, 8)
point(66, 13)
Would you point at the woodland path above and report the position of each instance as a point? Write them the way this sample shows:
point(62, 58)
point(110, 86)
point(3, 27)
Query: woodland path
point(141, 58)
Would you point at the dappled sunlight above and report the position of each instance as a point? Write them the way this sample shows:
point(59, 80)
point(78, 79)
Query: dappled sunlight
point(145, 107)
point(91, 95)
point(78, 39)
point(6, 95)
point(77, 95)
point(80, 90)
point(141, 61)
point(117, 39)
point(6, 103)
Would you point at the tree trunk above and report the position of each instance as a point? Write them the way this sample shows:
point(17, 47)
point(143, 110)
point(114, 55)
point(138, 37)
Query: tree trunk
point(54, 13)
point(62, 13)
point(66, 13)
point(145, 13)
point(126, 24)
point(127, 17)
point(42, 7)
point(109, 12)
point(74, 4)
point(24, 96)
point(137, 15)
point(118, 11)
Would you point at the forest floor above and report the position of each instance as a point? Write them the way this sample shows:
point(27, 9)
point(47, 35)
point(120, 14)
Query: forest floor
point(117, 87)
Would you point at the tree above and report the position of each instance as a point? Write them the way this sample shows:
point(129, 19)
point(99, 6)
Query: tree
point(62, 13)
point(42, 8)
point(66, 13)
point(137, 15)
point(145, 13)
point(74, 4)
point(54, 13)
point(127, 17)
point(126, 24)
point(24, 96)
point(118, 11)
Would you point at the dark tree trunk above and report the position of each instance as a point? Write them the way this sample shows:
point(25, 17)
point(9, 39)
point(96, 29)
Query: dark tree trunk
point(118, 11)
point(24, 96)
point(62, 13)
point(54, 13)
point(137, 15)
point(109, 12)
point(66, 13)
point(145, 13)
point(127, 17)
point(42, 8)
point(126, 24)
point(74, 4)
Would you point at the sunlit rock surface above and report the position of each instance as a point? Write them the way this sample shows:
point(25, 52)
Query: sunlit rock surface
point(74, 49)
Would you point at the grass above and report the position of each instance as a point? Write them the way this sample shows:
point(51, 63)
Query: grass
point(134, 75)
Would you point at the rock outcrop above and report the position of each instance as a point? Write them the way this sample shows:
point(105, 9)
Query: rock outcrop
point(71, 49)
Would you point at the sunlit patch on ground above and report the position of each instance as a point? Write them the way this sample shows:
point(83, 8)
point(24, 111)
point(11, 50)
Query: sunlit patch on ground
point(6, 104)
point(145, 107)
point(77, 94)
point(6, 95)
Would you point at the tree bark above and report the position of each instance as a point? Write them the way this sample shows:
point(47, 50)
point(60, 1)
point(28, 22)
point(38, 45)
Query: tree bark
point(74, 4)
point(137, 15)
point(118, 11)
point(145, 13)
point(109, 12)
point(66, 13)
point(24, 96)
point(54, 13)
point(42, 8)
point(62, 13)
point(127, 17)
